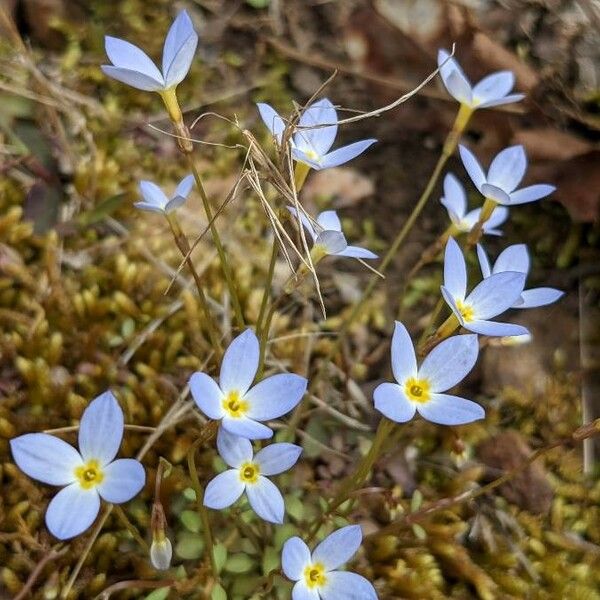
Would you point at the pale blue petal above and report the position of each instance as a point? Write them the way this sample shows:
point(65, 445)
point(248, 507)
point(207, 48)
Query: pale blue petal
point(123, 479)
point(185, 186)
point(266, 500)
point(444, 409)
point(472, 166)
point(133, 78)
point(531, 193)
point(493, 87)
point(496, 329)
point(152, 194)
point(72, 511)
point(333, 242)
point(338, 547)
point(454, 79)
point(101, 429)
point(451, 302)
point(174, 203)
point(207, 395)
point(404, 359)
point(498, 217)
point(450, 362)
point(508, 168)
point(45, 458)
point(342, 585)
point(510, 99)
point(496, 232)
point(455, 270)
point(223, 490)
point(484, 262)
point(345, 153)
point(295, 556)
point(318, 139)
point(541, 296)
point(240, 363)
point(304, 220)
point(301, 156)
point(328, 219)
point(390, 400)
point(272, 120)
point(248, 428)
point(513, 258)
point(233, 449)
point(357, 252)
point(274, 396)
point(149, 207)
point(277, 458)
point(181, 63)
point(496, 294)
point(124, 55)
point(455, 198)
point(178, 36)
point(301, 592)
point(495, 193)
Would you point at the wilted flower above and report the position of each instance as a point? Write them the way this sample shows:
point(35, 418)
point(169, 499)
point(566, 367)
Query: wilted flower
point(455, 202)
point(419, 389)
point(132, 66)
point(249, 474)
point(488, 299)
point(516, 258)
point(504, 175)
point(492, 90)
point(316, 132)
point(328, 238)
point(239, 406)
point(90, 474)
point(316, 574)
point(155, 199)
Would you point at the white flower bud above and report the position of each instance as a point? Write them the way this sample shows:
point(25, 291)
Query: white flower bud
point(161, 552)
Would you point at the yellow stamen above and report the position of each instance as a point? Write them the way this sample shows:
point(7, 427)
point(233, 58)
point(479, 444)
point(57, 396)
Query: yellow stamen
point(314, 576)
point(89, 475)
point(417, 390)
point(466, 311)
point(249, 472)
point(234, 405)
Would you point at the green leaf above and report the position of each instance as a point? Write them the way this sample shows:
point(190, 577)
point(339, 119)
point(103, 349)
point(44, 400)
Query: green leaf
point(419, 532)
point(270, 560)
point(294, 507)
point(189, 494)
point(258, 3)
point(159, 594)
point(220, 554)
point(191, 520)
point(239, 563)
point(189, 547)
point(218, 593)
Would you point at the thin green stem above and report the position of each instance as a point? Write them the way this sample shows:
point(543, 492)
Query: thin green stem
point(266, 293)
point(133, 530)
point(227, 272)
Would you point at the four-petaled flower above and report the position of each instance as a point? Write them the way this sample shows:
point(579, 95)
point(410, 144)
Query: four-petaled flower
point(516, 258)
point(315, 134)
point(155, 199)
point(504, 175)
point(329, 239)
point(90, 474)
point(419, 389)
point(492, 90)
point(132, 66)
point(239, 406)
point(249, 474)
point(316, 574)
point(489, 298)
point(455, 202)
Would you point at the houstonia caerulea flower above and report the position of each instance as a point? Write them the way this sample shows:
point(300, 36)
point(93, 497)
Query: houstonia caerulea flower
point(90, 474)
point(329, 238)
point(455, 202)
point(132, 66)
point(249, 474)
point(504, 175)
point(239, 406)
point(313, 140)
point(316, 574)
point(492, 90)
point(155, 199)
point(490, 298)
point(419, 389)
point(516, 258)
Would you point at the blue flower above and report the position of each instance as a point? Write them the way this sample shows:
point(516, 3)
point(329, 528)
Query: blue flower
point(516, 258)
point(155, 199)
point(313, 140)
point(455, 202)
point(239, 406)
point(90, 474)
point(249, 473)
point(328, 238)
point(132, 66)
point(490, 298)
point(492, 90)
point(419, 389)
point(316, 574)
point(504, 175)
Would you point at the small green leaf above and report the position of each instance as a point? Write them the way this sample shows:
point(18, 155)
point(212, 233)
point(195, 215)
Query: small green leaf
point(220, 554)
point(189, 547)
point(189, 494)
point(218, 593)
point(239, 563)
point(270, 560)
point(191, 520)
point(294, 507)
point(419, 532)
point(416, 501)
point(159, 594)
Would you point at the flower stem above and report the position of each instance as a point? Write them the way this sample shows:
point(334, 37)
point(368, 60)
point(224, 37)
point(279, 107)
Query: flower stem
point(486, 212)
point(265, 298)
point(446, 329)
point(133, 530)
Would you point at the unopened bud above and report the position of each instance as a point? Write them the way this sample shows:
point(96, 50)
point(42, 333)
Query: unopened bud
point(161, 552)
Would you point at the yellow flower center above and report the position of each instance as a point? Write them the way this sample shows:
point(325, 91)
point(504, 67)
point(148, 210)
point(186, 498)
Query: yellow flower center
point(466, 311)
point(249, 472)
point(312, 155)
point(314, 576)
point(89, 475)
point(234, 405)
point(417, 390)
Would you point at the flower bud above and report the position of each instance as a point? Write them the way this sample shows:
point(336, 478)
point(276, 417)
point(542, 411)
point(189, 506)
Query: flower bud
point(161, 552)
